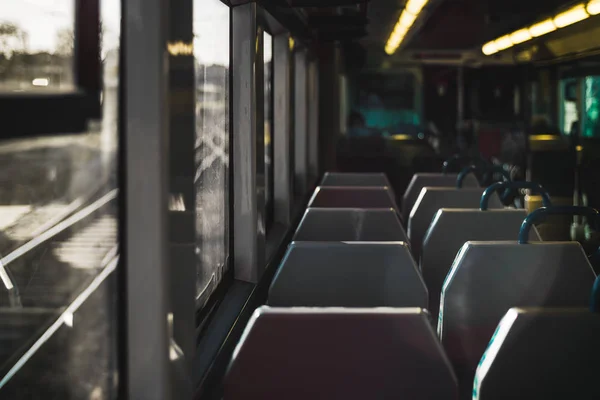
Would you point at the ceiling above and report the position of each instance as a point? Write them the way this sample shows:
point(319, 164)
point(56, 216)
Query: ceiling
point(456, 24)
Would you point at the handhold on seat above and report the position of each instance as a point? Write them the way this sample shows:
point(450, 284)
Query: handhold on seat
point(549, 354)
point(336, 353)
point(347, 224)
point(329, 274)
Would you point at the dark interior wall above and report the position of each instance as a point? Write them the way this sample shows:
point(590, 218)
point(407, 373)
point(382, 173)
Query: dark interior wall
point(440, 93)
point(490, 93)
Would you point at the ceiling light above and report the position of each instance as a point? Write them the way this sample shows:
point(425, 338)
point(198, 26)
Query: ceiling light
point(415, 6)
point(489, 48)
point(593, 7)
point(520, 36)
point(571, 16)
point(503, 43)
point(407, 19)
point(542, 28)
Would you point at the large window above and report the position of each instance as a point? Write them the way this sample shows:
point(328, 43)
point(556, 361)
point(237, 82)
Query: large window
point(591, 127)
point(36, 45)
point(268, 92)
point(385, 104)
point(58, 293)
point(211, 51)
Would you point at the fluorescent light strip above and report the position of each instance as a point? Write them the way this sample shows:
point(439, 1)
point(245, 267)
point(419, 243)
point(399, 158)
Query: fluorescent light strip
point(561, 20)
point(405, 21)
point(593, 7)
point(571, 16)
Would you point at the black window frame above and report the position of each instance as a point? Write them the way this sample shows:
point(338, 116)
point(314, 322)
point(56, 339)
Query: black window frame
point(33, 114)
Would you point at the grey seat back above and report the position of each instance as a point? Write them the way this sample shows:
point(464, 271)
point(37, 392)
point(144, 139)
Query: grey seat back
point(421, 180)
point(549, 354)
point(353, 197)
point(329, 274)
point(489, 278)
point(340, 179)
point(335, 353)
point(431, 200)
point(347, 224)
point(451, 229)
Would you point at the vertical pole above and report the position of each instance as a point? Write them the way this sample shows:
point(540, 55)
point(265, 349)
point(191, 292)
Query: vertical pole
point(301, 122)
point(282, 135)
point(248, 207)
point(146, 192)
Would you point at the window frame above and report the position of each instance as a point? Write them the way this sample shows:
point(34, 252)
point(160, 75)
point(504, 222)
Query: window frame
point(70, 111)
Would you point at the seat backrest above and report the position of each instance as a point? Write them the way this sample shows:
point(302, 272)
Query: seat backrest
point(489, 278)
point(342, 179)
point(335, 353)
point(431, 200)
point(353, 197)
point(549, 354)
point(347, 224)
point(351, 274)
point(451, 229)
point(421, 180)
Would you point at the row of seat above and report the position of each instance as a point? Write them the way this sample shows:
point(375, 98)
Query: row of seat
point(361, 259)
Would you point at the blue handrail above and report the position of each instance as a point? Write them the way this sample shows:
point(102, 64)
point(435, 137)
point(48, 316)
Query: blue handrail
point(535, 187)
point(595, 303)
point(540, 214)
point(473, 168)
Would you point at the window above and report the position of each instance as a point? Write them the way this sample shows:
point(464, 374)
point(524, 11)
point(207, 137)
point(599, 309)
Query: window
point(568, 112)
point(386, 105)
point(591, 126)
point(58, 299)
point(36, 45)
point(268, 98)
point(211, 51)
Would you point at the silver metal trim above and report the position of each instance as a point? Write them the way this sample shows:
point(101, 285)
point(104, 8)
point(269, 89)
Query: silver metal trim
point(146, 190)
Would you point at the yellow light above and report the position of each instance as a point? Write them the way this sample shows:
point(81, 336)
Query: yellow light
point(571, 16)
point(503, 43)
point(593, 7)
point(520, 36)
point(542, 28)
point(489, 48)
point(407, 19)
point(291, 43)
point(415, 6)
point(180, 48)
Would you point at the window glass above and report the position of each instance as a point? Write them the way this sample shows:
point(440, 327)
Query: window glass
point(385, 105)
point(58, 292)
point(592, 107)
point(36, 45)
point(211, 52)
point(268, 71)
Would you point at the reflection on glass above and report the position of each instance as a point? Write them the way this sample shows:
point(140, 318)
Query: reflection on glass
point(268, 71)
point(386, 105)
point(58, 243)
point(592, 107)
point(211, 52)
point(36, 45)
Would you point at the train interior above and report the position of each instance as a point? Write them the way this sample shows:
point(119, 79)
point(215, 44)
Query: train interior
point(299, 199)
